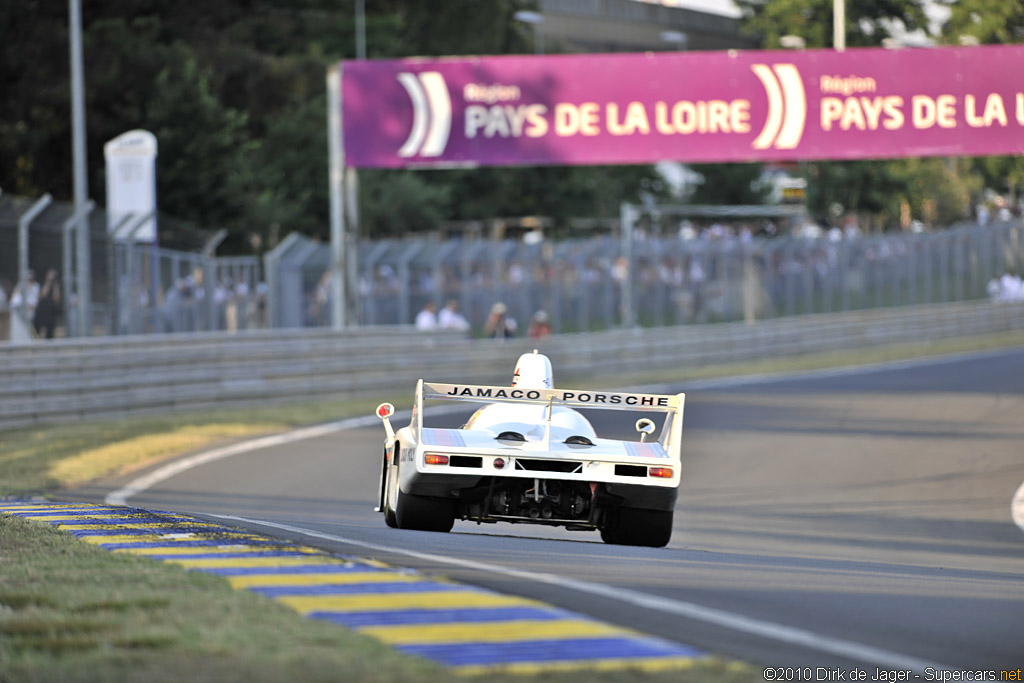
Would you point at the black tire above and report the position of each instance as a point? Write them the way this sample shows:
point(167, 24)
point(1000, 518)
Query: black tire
point(389, 512)
point(608, 535)
point(390, 518)
point(416, 512)
point(423, 513)
point(635, 526)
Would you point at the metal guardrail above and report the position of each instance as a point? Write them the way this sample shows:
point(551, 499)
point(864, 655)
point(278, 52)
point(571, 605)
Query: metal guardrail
point(68, 380)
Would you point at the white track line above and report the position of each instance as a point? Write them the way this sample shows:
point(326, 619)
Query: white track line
point(121, 496)
point(883, 659)
point(137, 486)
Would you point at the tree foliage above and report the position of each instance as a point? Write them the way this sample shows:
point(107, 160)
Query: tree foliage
point(936, 190)
point(729, 184)
point(988, 22)
point(234, 91)
point(984, 22)
point(868, 22)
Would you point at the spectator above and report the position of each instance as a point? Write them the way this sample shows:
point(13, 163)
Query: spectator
point(1008, 288)
point(19, 299)
point(540, 325)
point(426, 319)
point(450, 319)
point(499, 325)
point(48, 306)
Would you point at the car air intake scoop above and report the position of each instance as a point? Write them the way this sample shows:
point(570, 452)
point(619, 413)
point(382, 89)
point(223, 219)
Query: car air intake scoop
point(510, 436)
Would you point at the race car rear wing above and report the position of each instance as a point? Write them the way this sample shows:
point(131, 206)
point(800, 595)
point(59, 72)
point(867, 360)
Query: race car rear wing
point(571, 398)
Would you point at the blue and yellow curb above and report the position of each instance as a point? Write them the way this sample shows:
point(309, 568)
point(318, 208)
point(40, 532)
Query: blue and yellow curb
point(470, 629)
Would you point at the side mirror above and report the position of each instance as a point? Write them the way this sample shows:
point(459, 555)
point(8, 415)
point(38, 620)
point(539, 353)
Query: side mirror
point(646, 427)
point(385, 411)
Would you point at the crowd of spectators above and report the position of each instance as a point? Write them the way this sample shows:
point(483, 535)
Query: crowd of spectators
point(715, 271)
point(182, 306)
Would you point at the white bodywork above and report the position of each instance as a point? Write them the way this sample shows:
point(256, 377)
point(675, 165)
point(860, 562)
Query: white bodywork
point(530, 442)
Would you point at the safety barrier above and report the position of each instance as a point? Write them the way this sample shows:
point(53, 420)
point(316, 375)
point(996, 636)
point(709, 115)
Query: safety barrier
point(67, 380)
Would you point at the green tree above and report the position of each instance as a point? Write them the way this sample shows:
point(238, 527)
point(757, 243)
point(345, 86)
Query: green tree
point(868, 22)
point(939, 190)
point(203, 168)
point(990, 22)
point(983, 22)
point(234, 91)
point(729, 184)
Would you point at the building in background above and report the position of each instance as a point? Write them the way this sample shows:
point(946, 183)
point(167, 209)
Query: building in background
point(639, 26)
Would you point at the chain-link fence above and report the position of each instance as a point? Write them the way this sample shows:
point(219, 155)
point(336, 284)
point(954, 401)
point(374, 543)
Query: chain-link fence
point(579, 284)
point(137, 288)
point(710, 278)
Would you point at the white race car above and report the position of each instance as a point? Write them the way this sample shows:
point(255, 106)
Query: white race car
point(530, 457)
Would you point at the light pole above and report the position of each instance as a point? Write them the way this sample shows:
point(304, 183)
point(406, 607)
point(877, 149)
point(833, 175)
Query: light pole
point(81, 179)
point(839, 25)
point(537, 19)
point(360, 29)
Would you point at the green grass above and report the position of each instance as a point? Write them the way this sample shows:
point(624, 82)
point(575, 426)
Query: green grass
point(73, 612)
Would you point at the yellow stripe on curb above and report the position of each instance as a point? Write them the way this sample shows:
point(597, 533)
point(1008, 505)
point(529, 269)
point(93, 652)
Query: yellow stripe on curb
point(226, 549)
point(400, 601)
point(73, 518)
point(497, 632)
point(254, 562)
point(113, 526)
point(324, 579)
point(171, 538)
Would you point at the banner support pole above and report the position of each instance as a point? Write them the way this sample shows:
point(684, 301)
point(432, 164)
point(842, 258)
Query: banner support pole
point(336, 188)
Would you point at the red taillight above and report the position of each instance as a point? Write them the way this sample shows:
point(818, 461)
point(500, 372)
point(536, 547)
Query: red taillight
point(663, 472)
point(435, 459)
point(499, 463)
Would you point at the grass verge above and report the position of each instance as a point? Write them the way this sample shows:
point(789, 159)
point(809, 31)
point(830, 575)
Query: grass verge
point(71, 612)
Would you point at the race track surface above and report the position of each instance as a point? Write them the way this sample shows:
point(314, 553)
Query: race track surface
point(846, 519)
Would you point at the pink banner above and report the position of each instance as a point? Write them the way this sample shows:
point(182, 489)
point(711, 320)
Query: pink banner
point(683, 106)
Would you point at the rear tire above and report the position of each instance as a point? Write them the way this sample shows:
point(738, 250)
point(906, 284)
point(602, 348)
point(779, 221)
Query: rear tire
point(636, 526)
point(389, 511)
point(420, 513)
point(423, 513)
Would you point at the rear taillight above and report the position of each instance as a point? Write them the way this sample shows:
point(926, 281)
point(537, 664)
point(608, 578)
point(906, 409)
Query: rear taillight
point(435, 459)
point(663, 472)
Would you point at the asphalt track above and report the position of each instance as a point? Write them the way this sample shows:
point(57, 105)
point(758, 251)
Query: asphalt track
point(840, 519)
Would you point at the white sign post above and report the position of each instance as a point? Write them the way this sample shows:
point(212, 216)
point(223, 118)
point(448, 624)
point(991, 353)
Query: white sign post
point(131, 182)
point(131, 198)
